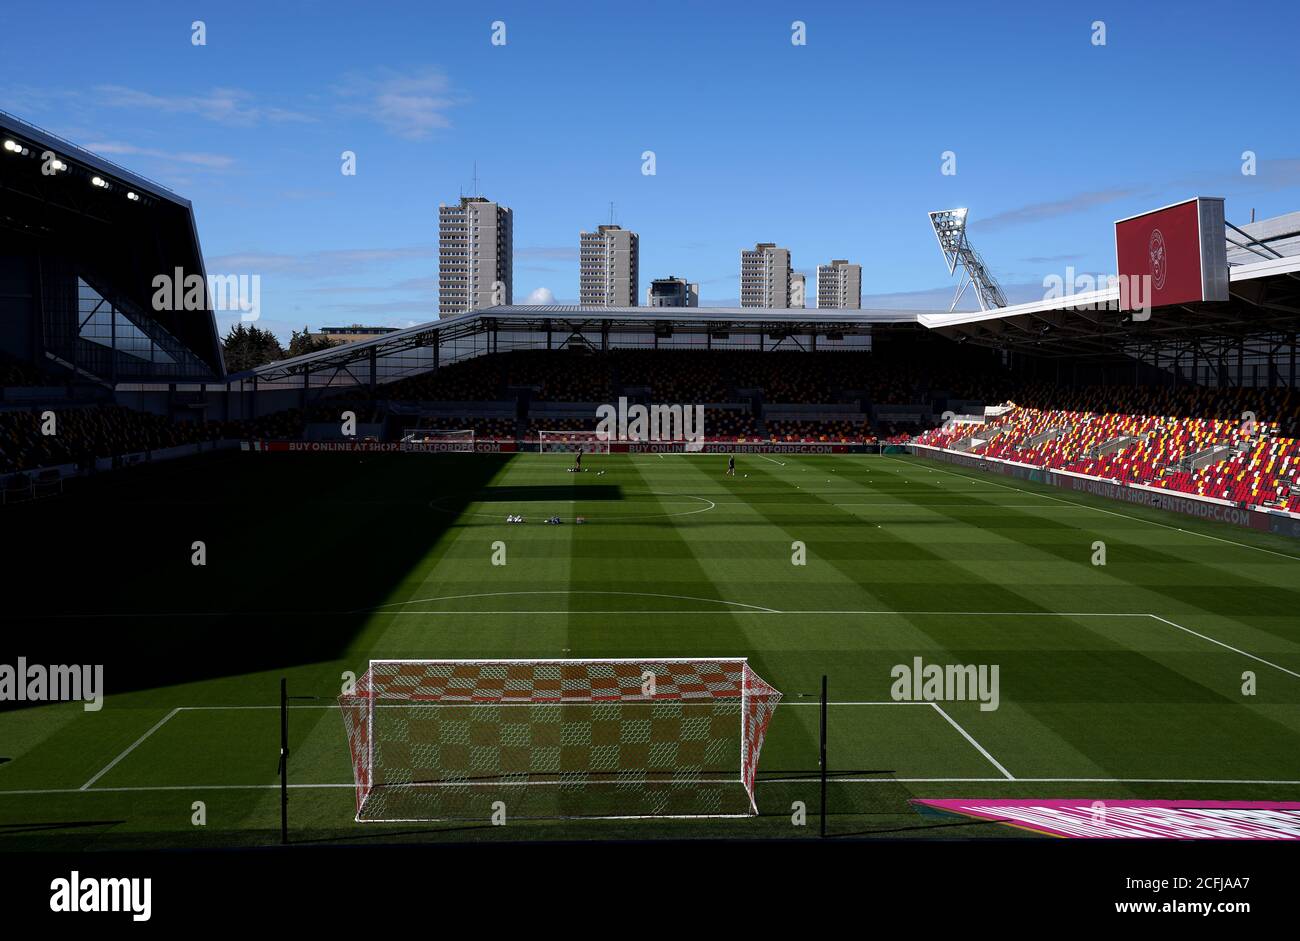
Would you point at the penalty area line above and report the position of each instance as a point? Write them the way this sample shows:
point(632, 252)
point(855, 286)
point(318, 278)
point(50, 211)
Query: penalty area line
point(1220, 643)
point(970, 738)
point(130, 748)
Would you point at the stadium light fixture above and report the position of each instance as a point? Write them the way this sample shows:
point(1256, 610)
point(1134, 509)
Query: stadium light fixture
point(133, 197)
point(950, 229)
point(16, 148)
point(99, 181)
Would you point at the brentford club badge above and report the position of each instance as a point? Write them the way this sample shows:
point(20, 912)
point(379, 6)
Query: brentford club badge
point(1159, 264)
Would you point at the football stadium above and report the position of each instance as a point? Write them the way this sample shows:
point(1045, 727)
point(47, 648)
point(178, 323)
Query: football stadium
point(627, 573)
point(995, 570)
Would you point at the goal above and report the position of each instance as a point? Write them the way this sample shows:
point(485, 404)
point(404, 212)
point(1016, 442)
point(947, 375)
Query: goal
point(467, 739)
point(592, 442)
point(434, 439)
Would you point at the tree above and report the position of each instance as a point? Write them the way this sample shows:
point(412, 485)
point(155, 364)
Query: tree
point(248, 347)
point(307, 342)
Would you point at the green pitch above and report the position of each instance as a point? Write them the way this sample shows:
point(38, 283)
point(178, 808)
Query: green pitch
point(1117, 680)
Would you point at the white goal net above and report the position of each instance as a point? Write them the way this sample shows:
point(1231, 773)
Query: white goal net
point(464, 739)
point(591, 442)
point(434, 439)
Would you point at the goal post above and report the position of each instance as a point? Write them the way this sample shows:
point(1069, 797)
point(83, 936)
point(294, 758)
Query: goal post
point(567, 442)
point(437, 439)
point(465, 739)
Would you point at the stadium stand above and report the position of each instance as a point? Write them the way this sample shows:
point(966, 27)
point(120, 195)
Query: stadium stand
point(86, 433)
point(1133, 434)
point(482, 427)
point(790, 430)
point(17, 373)
point(1248, 462)
point(1263, 473)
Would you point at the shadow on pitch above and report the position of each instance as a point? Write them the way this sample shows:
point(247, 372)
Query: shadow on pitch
point(384, 835)
point(541, 494)
point(296, 552)
point(7, 829)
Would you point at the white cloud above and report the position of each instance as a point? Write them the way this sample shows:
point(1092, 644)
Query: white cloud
point(329, 263)
point(541, 296)
point(195, 158)
point(412, 106)
point(229, 106)
point(1039, 212)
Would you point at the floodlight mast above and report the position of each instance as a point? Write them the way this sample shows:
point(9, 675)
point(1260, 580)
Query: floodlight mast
point(950, 230)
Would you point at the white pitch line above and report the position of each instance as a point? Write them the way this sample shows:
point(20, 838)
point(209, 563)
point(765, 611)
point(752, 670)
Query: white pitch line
point(773, 611)
point(1136, 519)
point(169, 787)
point(1016, 614)
point(756, 609)
point(626, 594)
point(556, 611)
point(132, 747)
point(231, 708)
point(759, 610)
point(942, 506)
point(881, 702)
point(891, 780)
point(881, 491)
point(970, 738)
point(872, 780)
point(1225, 646)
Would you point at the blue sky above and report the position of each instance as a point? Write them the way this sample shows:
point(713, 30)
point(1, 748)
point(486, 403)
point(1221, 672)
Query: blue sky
point(832, 149)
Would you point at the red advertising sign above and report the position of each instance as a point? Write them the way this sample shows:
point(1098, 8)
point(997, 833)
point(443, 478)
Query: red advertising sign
point(1174, 255)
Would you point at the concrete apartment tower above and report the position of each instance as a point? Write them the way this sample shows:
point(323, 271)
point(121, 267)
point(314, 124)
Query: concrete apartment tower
point(672, 292)
point(475, 255)
point(839, 286)
point(765, 276)
point(608, 262)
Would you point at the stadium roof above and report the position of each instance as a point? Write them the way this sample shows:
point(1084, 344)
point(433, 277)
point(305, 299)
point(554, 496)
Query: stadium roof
point(119, 240)
point(1264, 299)
point(67, 149)
point(1279, 235)
point(564, 320)
point(685, 315)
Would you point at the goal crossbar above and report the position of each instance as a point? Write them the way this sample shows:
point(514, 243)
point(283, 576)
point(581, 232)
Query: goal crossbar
point(438, 439)
point(593, 442)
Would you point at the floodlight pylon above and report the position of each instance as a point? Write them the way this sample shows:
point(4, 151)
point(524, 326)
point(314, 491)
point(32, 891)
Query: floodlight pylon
point(950, 229)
